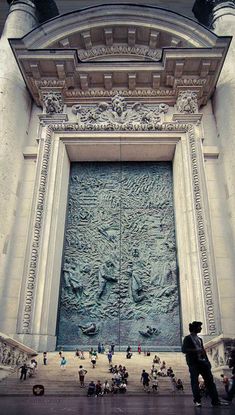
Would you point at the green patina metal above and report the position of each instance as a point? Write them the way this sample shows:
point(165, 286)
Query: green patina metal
point(119, 276)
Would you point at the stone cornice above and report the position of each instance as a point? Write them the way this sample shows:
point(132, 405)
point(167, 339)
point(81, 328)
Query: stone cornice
point(82, 56)
point(178, 68)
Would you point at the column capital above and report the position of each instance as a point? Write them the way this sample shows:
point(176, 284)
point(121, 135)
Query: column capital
point(206, 11)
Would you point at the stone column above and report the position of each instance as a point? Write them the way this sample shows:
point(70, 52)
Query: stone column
point(219, 15)
point(223, 23)
point(15, 109)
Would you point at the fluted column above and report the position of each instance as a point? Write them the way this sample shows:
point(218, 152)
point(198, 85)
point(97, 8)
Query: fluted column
point(15, 108)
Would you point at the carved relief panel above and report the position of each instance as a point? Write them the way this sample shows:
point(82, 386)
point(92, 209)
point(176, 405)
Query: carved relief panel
point(119, 276)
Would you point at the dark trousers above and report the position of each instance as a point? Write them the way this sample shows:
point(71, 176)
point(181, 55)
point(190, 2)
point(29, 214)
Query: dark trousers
point(23, 375)
point(231, 392)
point(204, 370)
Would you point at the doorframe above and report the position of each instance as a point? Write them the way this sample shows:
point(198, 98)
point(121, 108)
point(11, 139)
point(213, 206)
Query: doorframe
point(61, 143)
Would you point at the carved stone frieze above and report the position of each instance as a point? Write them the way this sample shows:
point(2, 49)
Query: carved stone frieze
point(187, 102)
point(10, 355)
point(119, 115)
point(120, 50)
point(137, 93)
point(219, 351)
point(190, 82)
point(52, 102)
point(49, 83)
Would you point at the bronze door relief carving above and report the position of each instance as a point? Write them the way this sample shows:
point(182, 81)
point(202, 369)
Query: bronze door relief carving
point(119, 278)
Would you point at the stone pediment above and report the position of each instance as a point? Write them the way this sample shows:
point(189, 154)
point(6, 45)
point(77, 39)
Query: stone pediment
point(141, 52)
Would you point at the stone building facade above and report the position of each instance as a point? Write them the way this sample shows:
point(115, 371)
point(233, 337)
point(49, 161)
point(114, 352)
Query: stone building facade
point(117, 83)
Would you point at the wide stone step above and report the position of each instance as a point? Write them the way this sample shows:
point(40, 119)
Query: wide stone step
point(65, 382)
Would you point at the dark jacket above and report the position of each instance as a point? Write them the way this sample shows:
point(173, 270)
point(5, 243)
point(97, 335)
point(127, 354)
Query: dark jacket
point(193, 357)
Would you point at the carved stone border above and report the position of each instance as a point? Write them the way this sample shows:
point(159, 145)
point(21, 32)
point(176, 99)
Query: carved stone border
point(31, 279)
point(207, 278)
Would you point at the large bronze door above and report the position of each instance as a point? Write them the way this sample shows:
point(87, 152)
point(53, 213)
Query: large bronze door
point(119, 276)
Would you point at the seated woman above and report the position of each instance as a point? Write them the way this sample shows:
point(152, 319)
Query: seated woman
point(106, 387)
point(98, 388)
point(169, 371)
point(122, 387)
point(114, 387)
point(179, 385)
point(91, 389)
point(156, 359)
point(125, 376)
point(163, 365)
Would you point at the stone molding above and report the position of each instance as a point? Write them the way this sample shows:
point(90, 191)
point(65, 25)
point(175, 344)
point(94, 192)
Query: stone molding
point(204, 250)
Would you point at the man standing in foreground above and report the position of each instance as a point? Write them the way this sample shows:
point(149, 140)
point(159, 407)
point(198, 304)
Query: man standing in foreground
point(199, 364)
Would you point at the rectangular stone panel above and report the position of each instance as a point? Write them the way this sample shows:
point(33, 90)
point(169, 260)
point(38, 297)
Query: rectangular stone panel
point(119, 279)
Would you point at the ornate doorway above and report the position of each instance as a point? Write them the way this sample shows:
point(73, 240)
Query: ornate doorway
point(119, 274)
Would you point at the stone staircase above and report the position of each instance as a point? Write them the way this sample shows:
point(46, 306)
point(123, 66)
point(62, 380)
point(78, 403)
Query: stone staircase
point(65, 382)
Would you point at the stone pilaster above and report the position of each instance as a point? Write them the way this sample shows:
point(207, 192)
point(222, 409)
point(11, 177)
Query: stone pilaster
point(15, 108)
point(221, 17)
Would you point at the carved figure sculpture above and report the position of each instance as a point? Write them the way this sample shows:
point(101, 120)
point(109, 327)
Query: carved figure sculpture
point(72, 283)
point(106, 274)
point(187, 102)
point(136, 288)
point(53, 103)
point(90, 329)
point(150, 332)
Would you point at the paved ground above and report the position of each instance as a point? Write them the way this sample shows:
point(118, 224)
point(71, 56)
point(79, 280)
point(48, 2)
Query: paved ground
point(108, 405)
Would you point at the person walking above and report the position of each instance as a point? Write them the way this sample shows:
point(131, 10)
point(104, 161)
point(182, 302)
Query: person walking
point(112, 348)
point(145, 378)
point(199, 364)
point(63, 363)
point(81, 373)
point(110, 357)
point(23, 371)
point(93, 361)
point(45, 358)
